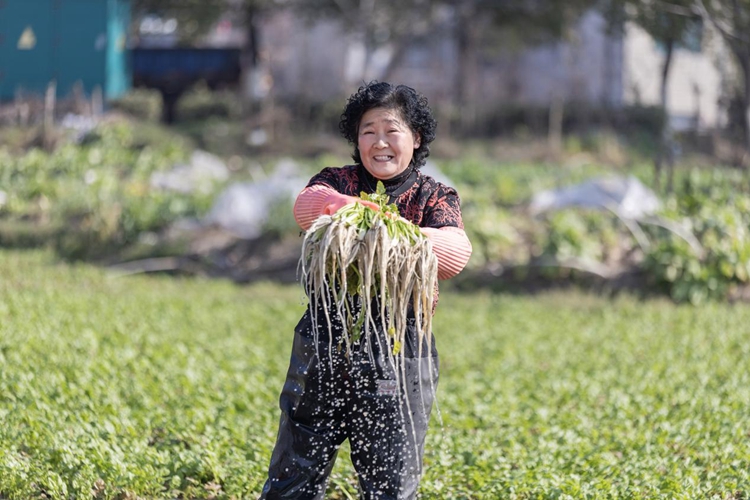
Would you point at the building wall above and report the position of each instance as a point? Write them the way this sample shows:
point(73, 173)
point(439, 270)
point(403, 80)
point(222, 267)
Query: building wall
point(304, 60)
point(322, 61)
point(26, 52)
point(430, 68)
point(694, 84)
point(587, 69)
point(331, 61)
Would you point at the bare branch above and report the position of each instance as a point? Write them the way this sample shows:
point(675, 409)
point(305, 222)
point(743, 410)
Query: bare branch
point(722, 26)
point(680, 10)
point(346, 12)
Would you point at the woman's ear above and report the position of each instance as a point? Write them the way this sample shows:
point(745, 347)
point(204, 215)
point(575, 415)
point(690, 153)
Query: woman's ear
point(417, 141)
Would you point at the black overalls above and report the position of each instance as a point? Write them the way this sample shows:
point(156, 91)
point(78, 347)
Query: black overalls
point(329, 396)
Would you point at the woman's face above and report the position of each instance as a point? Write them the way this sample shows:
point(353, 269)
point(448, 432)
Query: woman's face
point(386, 143)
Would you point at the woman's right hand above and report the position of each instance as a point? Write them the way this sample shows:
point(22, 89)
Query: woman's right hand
point(335, 201)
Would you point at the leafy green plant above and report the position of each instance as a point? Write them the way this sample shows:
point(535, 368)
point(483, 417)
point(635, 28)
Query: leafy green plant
point(583, 233)
point(497, 235)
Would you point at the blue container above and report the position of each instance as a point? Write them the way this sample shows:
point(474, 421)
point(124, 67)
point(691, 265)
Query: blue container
point(67, 41)
point(177, 69)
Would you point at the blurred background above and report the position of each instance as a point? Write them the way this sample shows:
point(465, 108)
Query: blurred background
point(600, 142)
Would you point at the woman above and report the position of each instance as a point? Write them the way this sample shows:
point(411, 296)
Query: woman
point(325, 401)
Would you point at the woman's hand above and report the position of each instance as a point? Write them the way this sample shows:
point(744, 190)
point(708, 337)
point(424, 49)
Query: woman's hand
point(334, 202)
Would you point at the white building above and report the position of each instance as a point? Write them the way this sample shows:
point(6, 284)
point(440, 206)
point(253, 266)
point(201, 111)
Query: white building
point(322, 61)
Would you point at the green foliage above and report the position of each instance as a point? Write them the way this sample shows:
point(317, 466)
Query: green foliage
point(94, 199)
point(144, 104)
point(496, 234)
point(587, 234)
point(148, 387)
point(503, 233)
point(280, 220)
point(715, 205)
point(96, 195)
point(127, 401)
point(200, 103)
point(482, 181)
point(586, 398)
point(364, 217)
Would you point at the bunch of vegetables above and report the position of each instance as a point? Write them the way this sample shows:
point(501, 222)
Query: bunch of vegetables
point(370, 268)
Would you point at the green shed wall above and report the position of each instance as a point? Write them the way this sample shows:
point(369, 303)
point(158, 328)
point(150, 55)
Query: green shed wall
point(76, 41)
point(31, 68)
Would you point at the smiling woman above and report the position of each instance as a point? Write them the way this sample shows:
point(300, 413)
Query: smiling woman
point(344, 380)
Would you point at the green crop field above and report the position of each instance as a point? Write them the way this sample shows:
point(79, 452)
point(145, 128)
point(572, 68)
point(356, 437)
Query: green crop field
point(158, 387)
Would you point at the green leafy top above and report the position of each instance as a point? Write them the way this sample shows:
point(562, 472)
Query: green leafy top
point(381, 199)
point(364, 217)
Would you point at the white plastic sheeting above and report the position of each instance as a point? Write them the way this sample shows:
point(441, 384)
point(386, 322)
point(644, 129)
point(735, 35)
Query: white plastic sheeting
point(625, 196)
point(199, 175)
point(243, 208)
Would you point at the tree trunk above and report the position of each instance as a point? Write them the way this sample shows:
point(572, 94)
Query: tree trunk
point(568, 44)
point(555, 125)
point(169, 105)
point(663, 151)
point(249, 58)
point(745, 64)
point(251, 46)
point(467, 76)
point(741, 48)
point(399, 51)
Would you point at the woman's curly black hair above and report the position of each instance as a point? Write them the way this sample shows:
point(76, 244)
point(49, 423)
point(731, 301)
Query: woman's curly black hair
point(408, 102)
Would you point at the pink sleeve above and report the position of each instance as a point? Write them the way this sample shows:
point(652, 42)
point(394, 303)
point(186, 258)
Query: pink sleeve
point(452, 248)
point(310, 203)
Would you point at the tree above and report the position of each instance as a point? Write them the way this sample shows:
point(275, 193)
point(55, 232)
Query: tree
point(196, 17)
point(669, 24)
point(529, 22)
point(732, 20)
point(397, 24)
point(375, 24)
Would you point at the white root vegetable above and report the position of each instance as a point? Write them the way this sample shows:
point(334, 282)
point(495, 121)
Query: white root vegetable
point(360, 258)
